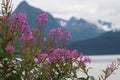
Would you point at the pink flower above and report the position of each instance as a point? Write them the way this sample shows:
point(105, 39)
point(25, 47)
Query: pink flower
point(20, 18)
point(110, 69)
point(27, 37)
point(10, 49)
point(51, 59)
point(40, 58)
point(75, 54)
point(59, 56)
point(23, 37)
point(44, 39)
point(81, 55)
point(25, 28)
point(36, 61)
point(87, 60)
point(60, 34)
point(43, 56)
point(68, 55)
point(42, 17)
point(30, 36)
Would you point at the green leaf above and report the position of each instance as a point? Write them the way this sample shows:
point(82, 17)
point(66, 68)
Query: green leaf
point(82, 78)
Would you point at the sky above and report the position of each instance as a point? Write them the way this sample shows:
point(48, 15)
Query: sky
point(91, 10)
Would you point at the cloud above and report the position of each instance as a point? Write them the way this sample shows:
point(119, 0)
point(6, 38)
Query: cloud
point(92, 10)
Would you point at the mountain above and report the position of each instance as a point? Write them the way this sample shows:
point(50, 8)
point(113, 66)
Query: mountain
point(81, 29)
point(107, 43)
point(32, 13)
point(72, 22)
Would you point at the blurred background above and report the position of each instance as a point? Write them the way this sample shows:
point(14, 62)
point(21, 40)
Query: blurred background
point(93, 24)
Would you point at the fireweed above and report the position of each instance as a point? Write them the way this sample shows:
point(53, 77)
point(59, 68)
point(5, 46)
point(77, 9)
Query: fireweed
point(26, 54)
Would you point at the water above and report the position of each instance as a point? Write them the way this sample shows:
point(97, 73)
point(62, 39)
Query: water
point(101, 62)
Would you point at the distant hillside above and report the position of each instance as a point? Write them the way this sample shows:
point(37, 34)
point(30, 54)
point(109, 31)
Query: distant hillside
point(107, 43)
point(80, 28)
point(32, 13)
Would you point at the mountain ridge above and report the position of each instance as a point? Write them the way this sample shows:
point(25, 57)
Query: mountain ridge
point(107, 43)
point(81, 29)
point(32, 13)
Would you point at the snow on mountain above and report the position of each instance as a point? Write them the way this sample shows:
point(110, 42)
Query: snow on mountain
point(62, 22)
point(80, 29)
